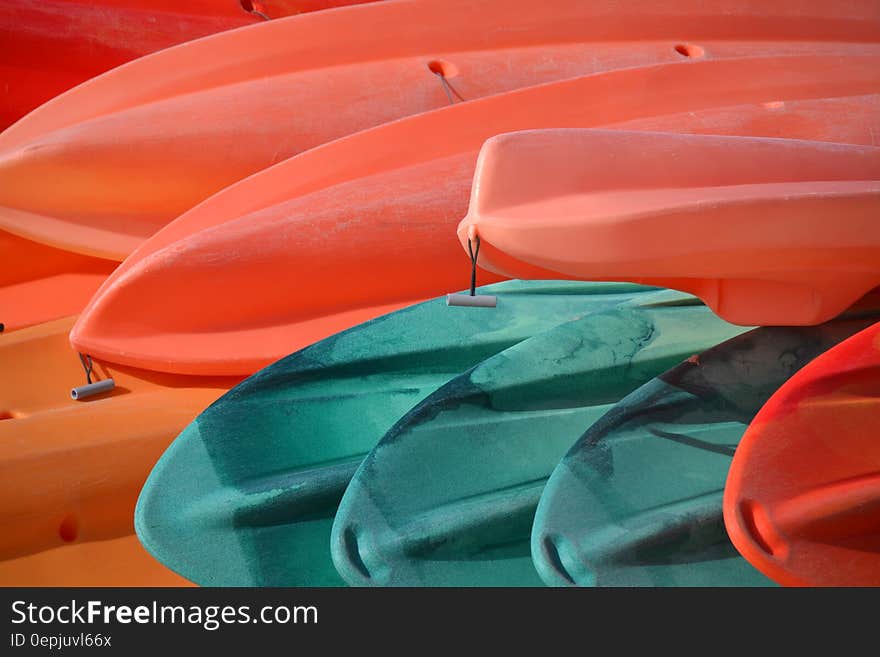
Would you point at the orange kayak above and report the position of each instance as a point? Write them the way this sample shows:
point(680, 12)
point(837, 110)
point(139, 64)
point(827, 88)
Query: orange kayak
point(39, 283)
point(802, 500)
point(132, 149)
point(50, 46)
point(114, 562)
point(70, 471)
point(764, 231)
point(339, 248)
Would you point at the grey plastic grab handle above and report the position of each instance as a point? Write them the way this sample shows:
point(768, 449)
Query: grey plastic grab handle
point(477, 301)
point(92, 389)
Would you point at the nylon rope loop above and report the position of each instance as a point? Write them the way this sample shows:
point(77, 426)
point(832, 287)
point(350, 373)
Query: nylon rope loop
point(474, 255)
point(445, 86)
point(87, 368)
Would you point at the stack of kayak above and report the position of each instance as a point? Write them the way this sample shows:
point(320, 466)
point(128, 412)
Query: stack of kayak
point(241, 315)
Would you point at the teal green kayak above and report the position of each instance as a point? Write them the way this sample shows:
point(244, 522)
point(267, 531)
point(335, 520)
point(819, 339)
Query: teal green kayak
point(246, 495)
point(638, 500)
point(447, 498)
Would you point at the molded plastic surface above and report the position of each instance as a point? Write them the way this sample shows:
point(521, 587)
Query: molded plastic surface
point(448, 495)
point(51, 45)
point(114, 562)
point(339, 248)
point(802, 501)
point(765, 231)
point(247, 493)
point(39, 283)
point(637, 500)
point(70, 471)
point(132, 149)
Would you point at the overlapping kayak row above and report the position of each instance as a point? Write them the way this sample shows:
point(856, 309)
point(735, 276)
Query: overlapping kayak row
point(268, 504)
point(375, 457)
point(53, 45)
point(245, 242)
point(246, 99)
point(821, 505)
point(326, 221)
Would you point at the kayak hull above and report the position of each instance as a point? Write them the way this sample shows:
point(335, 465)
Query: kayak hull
point(792, 242)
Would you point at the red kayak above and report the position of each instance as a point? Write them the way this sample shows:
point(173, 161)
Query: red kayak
point(802, 500)
point(50, 46)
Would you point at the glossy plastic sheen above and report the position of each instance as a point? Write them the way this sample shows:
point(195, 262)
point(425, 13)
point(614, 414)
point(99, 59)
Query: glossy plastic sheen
point(50, 46)
point(765, 231)
point(448, 495)
point(70, 471)
point(247, 493)
point(339, 248)
point(130, 150)
point(637, 500)
point(802, 501)
point(114, 562)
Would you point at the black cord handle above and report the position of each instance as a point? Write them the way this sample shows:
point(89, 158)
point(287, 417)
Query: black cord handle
point(474, 255)
point(87, 368)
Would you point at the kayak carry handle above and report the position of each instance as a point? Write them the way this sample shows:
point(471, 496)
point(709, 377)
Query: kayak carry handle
point(473, 300)
point(91, 388)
